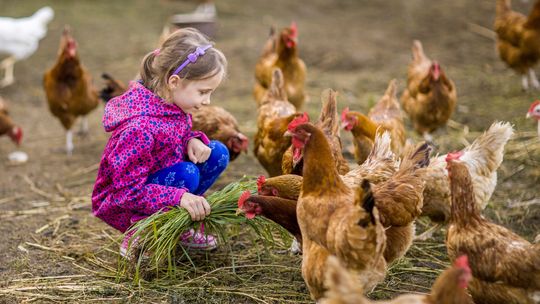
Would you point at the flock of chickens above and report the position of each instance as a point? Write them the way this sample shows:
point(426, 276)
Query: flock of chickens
point(352, 222)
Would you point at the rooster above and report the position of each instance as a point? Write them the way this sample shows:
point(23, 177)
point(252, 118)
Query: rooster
point(274, 114)
point(534, 113)
point(505, 267)
point(518, 40)
point(430, 96)
point(216, 122)
point(69, 89)
point(483, 157)
point(384, 116)
point(19, 39)
point(7, 126)
point(281, 52)
point(329, 123)
point(449, 288)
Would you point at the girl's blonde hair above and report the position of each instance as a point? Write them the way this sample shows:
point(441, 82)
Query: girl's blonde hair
point(158, 66)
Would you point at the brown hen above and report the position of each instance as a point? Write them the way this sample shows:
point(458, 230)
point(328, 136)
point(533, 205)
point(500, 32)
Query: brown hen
point(384, 116)
point(281, 52)
point(7, 126)
point(334, 219)
point(273, 116)
point(518, 40)
point(483, 157)
point(430, 96)
point(505, 267)
point(69, 89)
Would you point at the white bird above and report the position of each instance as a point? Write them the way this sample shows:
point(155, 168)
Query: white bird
point(19, 39)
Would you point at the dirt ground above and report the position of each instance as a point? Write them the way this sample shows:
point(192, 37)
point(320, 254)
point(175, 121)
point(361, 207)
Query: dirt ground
point(49, 238)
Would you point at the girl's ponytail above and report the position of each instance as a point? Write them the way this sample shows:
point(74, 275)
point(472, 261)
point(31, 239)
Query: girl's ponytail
point(148, 74)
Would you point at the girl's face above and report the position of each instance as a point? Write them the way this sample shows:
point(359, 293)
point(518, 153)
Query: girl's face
point(190, 95)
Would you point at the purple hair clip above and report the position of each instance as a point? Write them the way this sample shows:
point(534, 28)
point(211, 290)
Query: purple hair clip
point(192, 57)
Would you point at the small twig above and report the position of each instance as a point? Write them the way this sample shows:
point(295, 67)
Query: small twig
point(454, 124)
point(10, 213)
point(41, 229)
point(519, 169)
point(482, 31)
point(42, 247)
point(36, 190)
point(9, 199)
point(85, 170)
point(62, 191)
point(80, 182)
point(524, 204)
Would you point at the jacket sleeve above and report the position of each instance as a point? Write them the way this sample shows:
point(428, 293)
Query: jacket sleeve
point(131, 161)
point(194, 134)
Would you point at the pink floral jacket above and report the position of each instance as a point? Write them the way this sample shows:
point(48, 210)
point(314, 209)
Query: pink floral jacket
point(147, 135)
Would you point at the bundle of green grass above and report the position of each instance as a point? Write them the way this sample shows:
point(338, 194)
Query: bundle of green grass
point(158, 236)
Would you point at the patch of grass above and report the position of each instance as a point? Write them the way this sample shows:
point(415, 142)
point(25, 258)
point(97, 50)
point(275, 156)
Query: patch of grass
point(157, 237)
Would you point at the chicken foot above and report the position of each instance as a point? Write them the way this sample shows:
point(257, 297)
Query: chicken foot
point(7, 64)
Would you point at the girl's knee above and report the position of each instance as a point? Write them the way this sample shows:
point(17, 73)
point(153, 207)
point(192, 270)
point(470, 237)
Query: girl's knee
point(180, 175)
point(219, 154)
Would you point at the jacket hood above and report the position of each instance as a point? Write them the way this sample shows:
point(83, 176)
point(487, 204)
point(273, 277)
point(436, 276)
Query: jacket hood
point(135, 102)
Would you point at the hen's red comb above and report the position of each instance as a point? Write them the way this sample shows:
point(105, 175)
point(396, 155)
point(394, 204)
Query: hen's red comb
point(243, 198)
point(260, 182)
point(453, 156)
point(463, 263)
point(533, 105)
point(294, 29)
point(298, 121)
point(344, 114)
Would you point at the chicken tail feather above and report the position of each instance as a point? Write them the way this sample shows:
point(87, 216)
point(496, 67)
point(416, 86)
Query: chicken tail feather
point(368, 201)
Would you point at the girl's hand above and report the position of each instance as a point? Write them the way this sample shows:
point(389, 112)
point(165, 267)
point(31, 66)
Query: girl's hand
point(197, 151)
point(196, 206)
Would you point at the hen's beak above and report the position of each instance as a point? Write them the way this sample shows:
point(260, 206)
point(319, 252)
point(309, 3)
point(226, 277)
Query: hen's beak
point(287, 133)
point(528, 115)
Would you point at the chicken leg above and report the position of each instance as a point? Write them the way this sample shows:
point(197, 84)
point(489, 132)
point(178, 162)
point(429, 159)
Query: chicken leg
point(524, 82)
point(69, 142)
point(7, 64)
point(83, 130)
point(534, 81)
point(427, 137)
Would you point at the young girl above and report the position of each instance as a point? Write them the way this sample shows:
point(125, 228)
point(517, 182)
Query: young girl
point(153, 159)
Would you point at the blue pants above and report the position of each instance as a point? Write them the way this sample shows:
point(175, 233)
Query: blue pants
point(197, 178)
